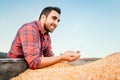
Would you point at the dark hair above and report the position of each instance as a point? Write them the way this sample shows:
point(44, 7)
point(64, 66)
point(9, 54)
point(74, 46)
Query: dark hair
point(46, 11)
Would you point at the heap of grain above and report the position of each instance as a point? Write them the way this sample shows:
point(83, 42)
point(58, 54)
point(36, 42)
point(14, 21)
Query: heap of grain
point(107, 68)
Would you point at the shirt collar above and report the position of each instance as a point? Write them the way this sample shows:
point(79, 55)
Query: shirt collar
point(38, 24)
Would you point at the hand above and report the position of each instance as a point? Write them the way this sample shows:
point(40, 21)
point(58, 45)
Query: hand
point(70, 56)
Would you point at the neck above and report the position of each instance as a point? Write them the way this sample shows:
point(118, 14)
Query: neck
point(43, 31)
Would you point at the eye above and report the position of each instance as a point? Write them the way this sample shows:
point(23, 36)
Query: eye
point(55, 18)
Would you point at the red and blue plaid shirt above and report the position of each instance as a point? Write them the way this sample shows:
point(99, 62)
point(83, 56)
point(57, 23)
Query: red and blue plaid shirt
point(31, 44)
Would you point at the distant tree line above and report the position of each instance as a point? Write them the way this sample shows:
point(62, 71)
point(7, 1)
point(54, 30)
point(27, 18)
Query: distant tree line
point(3, 55)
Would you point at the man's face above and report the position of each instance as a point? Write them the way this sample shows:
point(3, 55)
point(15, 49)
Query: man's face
point(51, 21)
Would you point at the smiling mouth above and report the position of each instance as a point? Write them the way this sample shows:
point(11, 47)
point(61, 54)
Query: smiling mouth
point(52, 27)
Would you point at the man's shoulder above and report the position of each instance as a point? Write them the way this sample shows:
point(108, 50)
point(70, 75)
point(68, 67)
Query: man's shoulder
point(33, 23)
point(29, 25)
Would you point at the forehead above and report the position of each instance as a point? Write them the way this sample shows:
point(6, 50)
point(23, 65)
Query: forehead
point(54, 13)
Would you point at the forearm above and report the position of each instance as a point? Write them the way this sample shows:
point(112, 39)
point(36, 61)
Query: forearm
point(67, 56)
point(47, 61)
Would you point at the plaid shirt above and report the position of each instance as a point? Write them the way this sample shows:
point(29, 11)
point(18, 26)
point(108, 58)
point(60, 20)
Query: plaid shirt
point(31, 44)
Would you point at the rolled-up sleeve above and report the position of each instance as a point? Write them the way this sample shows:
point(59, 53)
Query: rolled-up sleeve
point(31, 46)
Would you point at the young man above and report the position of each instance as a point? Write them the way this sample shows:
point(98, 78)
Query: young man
point(33, 42)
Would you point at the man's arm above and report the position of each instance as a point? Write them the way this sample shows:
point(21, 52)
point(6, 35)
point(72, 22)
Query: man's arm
point(29, 38)
point(47, 61)
point(67, 56)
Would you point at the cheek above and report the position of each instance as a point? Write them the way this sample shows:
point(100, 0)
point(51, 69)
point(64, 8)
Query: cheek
point(48, 22)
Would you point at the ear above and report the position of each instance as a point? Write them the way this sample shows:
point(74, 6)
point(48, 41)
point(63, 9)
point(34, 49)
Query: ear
point(43, 17)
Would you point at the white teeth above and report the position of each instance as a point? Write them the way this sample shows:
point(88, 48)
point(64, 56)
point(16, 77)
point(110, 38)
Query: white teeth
point(52, 27)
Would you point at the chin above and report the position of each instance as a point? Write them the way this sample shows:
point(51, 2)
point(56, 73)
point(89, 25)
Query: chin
point(51, 31)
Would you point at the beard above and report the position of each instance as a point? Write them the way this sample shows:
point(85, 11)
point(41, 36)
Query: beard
point(47, 29)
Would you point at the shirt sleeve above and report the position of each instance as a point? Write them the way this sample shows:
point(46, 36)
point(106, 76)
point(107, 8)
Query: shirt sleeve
point(30, 44)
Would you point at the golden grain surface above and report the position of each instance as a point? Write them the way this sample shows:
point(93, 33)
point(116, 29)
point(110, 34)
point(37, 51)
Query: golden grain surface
point(107, 68)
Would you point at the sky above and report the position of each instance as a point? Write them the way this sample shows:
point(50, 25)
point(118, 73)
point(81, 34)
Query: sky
point(90, 26)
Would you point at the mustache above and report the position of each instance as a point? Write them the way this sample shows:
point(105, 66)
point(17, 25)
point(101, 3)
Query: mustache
point(54, 26)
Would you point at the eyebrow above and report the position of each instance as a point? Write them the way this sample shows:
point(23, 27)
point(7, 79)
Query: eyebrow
point(56, 18)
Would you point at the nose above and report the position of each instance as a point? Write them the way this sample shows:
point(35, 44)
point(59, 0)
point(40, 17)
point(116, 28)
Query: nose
point(56, 24)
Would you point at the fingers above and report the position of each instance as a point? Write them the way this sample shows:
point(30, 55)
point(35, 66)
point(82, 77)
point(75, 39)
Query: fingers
point(70, 55)
point(76, 55)
point(72, 51)
point(77, 51)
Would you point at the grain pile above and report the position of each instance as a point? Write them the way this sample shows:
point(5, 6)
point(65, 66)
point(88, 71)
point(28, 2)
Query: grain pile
point(107, 68)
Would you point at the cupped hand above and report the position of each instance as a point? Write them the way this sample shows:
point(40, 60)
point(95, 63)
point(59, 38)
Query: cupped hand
point(70, 56)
